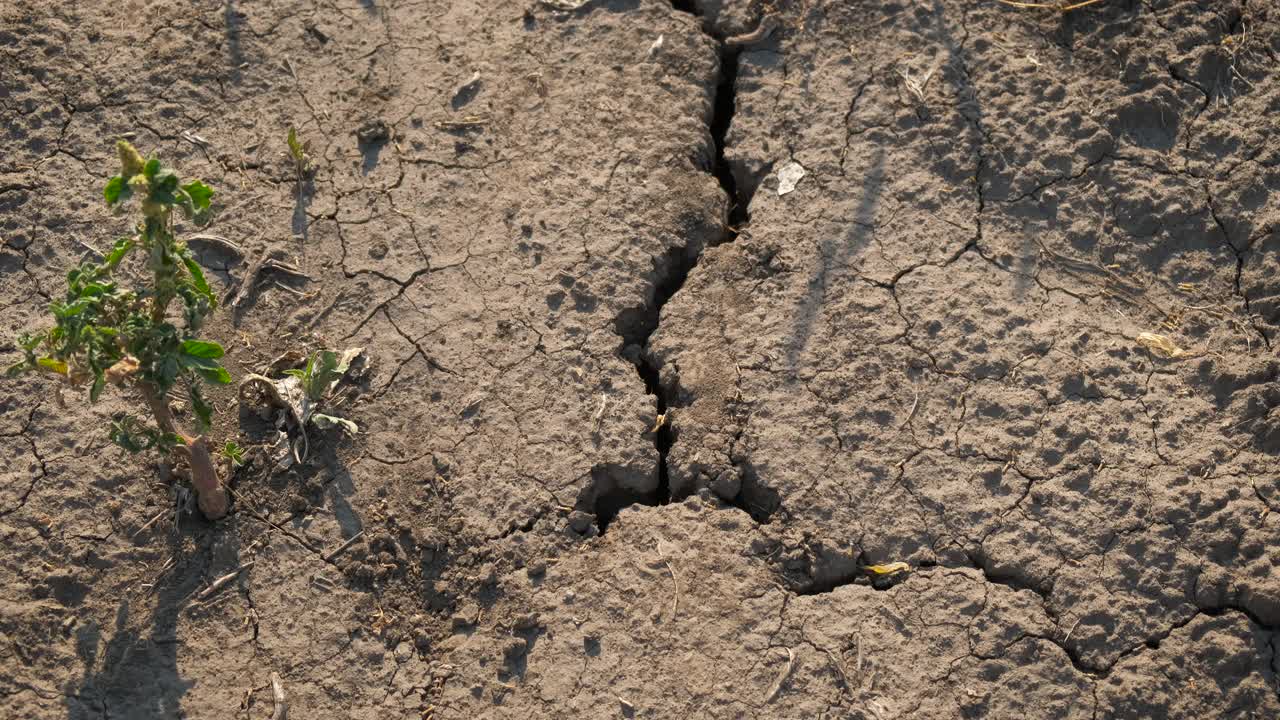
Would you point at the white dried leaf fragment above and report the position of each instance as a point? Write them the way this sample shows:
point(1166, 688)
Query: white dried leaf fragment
point(789, 176)
point(656, 47)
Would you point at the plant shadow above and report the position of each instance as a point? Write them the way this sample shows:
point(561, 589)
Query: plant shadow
point(135, 673)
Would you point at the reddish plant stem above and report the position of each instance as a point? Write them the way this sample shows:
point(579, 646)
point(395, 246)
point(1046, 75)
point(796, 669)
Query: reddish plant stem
point(210, 495)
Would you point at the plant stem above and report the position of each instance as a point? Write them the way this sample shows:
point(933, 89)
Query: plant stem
point(158, 239)
point(210, 495)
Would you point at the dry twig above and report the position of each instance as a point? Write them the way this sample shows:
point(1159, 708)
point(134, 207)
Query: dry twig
point(271, 261)
point(1059, 6)
point(344, 547)
point(220, 241)
point(767, 25)
point(222, 581)
point(782, 676)
point(912, 414)
point(675, 580)
point(277, 695)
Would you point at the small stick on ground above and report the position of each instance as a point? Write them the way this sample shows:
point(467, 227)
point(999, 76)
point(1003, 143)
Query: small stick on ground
point(87, 246)
point(838, 663)
point(277, 694)
point(912, 414)
point(1059, 6)
point(220, 241)
point(344, 547)
point(767, 25)
point(168, 564)
point(284, 267)
point(292, 291)
point(675, 581)
point(150, 522)
point(222, 582)
point(235, 298)
point(916, 86)
point(271, 261)
point(782, 676)
point(859, 663)
point(1067, 637)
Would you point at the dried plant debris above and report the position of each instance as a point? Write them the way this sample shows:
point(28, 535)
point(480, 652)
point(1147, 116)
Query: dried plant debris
point(789, 176)
point(299, 396)
point(1160, 345)
point(889, 569)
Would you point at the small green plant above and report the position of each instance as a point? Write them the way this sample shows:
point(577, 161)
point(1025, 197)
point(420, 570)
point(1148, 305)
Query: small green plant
point(298, 151)
point(107, 333)
point(304, 390)
point(322, 371)
point(232, 453)
point(320, 375)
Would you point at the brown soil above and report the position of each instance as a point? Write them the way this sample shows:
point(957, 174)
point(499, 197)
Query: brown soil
point(551, 226)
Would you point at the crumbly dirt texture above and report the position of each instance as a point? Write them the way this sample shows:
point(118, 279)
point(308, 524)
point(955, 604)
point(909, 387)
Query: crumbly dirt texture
point(681, 319)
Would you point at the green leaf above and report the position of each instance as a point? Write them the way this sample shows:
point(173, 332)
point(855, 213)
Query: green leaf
point(199, 356)
point(95, 391)
point(217, 375)
point(118, 251)
point(17, 369)
point(164, 186)
point(116, 190)
point(233, 452)
point(151, 167)
point(68, 311)
point(129, 434)
point(202, 349)
point(199, 194)
point(165, 371)
point(202, 408)
point(52, 364)
point(164, 180)
point(198, 279)
point(306, 374)
point(321, 374)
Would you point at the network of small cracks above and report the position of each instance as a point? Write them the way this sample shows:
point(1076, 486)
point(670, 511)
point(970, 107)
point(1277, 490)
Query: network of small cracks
point(972, 246)
point(973, 547)
point(25, 433)
point(229, 22)
point(1094, 670)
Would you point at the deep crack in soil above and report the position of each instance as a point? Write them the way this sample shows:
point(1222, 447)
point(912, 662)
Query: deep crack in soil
point(672, 271)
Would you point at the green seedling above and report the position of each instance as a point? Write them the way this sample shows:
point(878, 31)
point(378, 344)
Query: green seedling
point(134, 337)
point(232, 453)
point(318, 377)
point(298, 151)
point(321, 373)
point(303, 391)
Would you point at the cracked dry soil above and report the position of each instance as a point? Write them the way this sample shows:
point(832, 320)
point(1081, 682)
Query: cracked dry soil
point(550, 226)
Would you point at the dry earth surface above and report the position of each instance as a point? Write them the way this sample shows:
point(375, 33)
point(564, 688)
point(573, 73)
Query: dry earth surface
point(643, 407)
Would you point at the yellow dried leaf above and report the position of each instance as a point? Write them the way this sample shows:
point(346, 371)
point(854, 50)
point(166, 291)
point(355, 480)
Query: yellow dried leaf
point(1160, 345)
point(123, 370)
point(889, 569)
